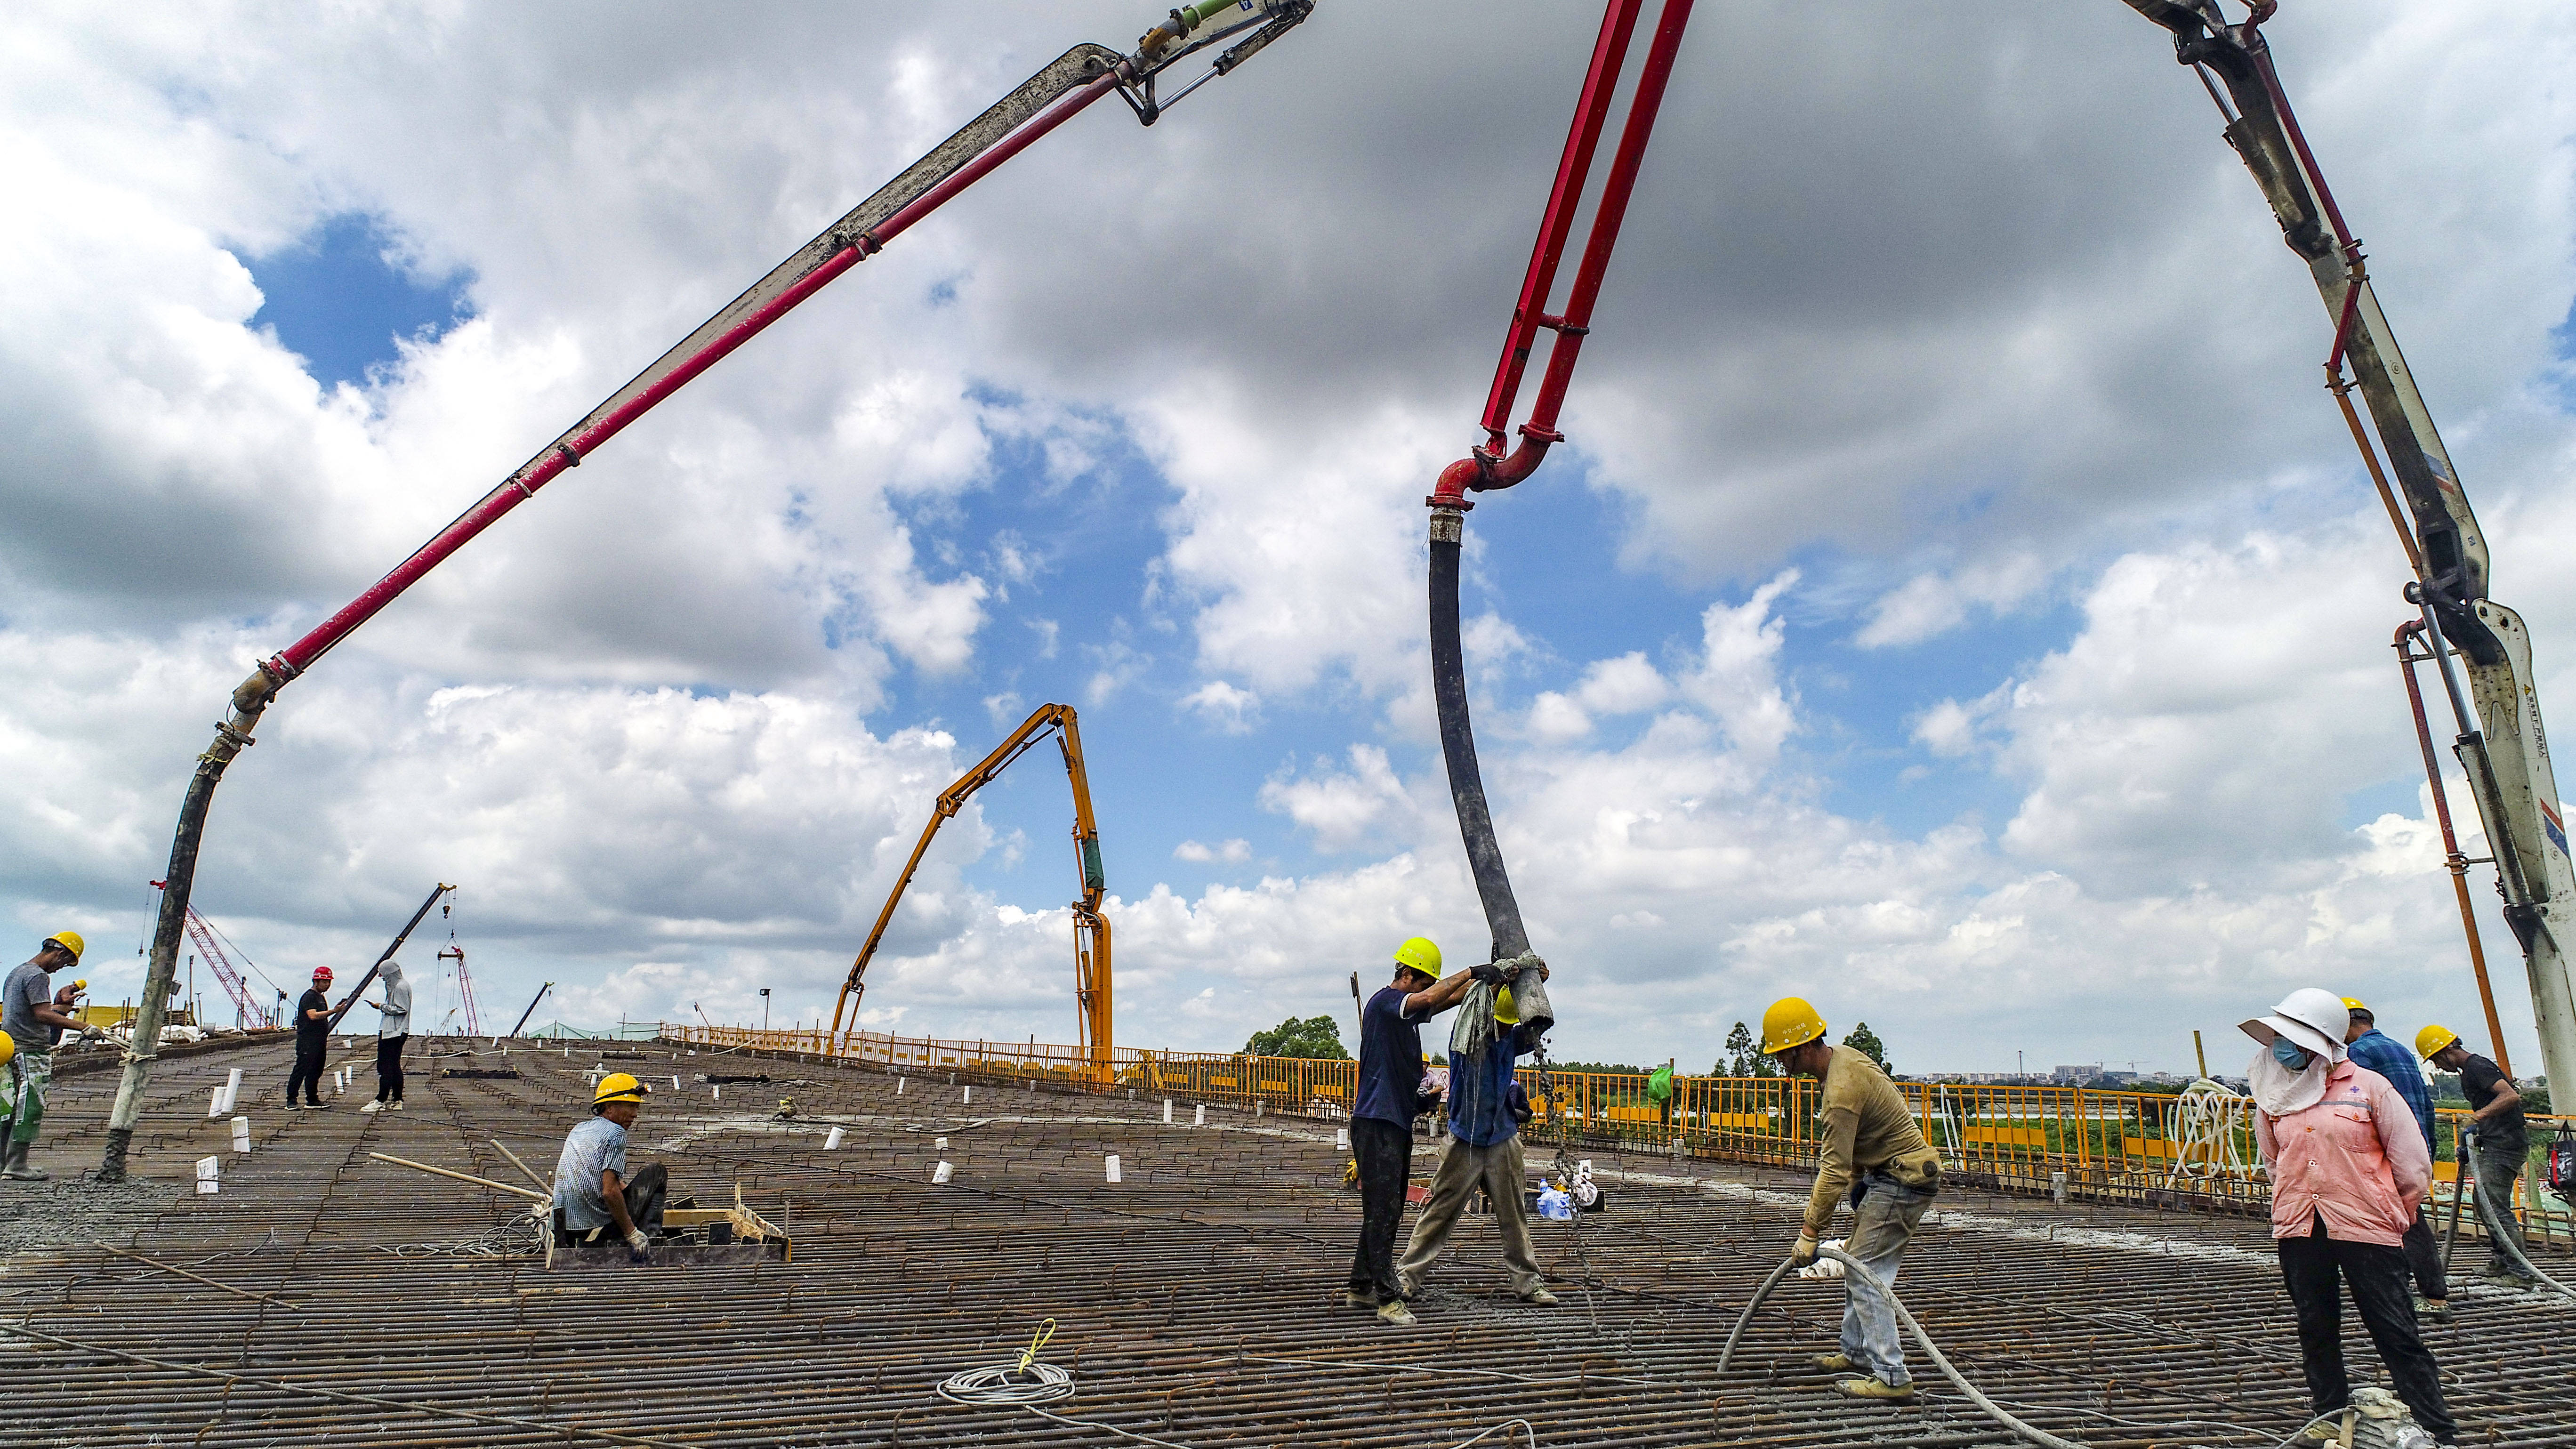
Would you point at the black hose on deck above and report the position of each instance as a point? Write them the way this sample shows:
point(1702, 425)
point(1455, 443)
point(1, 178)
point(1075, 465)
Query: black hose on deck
point(1458, 743)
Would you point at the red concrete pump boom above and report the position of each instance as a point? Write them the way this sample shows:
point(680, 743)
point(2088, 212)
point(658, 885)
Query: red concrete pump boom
point(1050, 98)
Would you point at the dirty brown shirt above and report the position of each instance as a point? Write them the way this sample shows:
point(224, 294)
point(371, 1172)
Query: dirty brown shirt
point(1865, 1128)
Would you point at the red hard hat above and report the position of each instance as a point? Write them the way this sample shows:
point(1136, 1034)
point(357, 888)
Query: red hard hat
point(321, 973)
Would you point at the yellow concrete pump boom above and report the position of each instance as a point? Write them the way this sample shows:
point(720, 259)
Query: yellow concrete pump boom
point(1090, 927)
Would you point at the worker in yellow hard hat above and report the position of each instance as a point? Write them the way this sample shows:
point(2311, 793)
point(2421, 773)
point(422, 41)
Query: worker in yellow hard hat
point(1484, 1147)
point(2372, 1050)
point(1393, 1091)
point(593, 1194)
point(2502, 1134)
point(1870, 1150)
point(32, 1020)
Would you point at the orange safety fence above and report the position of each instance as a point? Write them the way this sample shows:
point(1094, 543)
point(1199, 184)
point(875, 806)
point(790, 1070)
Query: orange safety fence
point(2090, 1145)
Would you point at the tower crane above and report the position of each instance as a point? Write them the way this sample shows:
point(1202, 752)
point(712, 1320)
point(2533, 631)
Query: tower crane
point(1234, 30)
point(464, 985)
point(1090, 927)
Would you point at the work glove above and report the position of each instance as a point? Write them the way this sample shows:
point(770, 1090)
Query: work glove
point(1490, 974)
point(636, 1243)
point(1804, 1254)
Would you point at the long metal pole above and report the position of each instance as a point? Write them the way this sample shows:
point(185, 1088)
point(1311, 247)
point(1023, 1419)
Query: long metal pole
point(391, 947)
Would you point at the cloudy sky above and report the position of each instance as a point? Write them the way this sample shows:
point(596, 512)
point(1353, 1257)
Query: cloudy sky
point(1959, 603)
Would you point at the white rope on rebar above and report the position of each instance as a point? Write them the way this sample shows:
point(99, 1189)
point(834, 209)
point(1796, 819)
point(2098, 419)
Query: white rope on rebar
point(2206, 1118)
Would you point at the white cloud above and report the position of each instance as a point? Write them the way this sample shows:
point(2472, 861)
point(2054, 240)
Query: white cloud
point(1346, 810)
point(1232, 710)
point(1230, 851)
point(1932, 604)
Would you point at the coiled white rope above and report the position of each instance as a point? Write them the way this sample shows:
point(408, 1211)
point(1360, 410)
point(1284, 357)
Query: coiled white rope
point(1028, 1383)
point(2206, 1117)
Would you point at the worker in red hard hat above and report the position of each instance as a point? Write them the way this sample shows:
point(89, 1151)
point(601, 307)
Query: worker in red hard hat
point(312, 1041)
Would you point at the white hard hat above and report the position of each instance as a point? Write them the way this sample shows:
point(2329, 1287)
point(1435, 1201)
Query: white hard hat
point(2314, 1018)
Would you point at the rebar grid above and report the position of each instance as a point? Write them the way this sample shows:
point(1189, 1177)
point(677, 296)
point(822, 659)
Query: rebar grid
point(1197, 1300)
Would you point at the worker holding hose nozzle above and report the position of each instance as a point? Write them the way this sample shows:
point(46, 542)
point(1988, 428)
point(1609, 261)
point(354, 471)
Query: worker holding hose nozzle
point(1484, 1149)
point(2349, 1166)
point(1391, 1094)
point(1869, 1150)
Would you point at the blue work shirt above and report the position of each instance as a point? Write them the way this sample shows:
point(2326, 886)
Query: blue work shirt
point(1390, 1061)
point(2375, 1050)
point(1480, 1110)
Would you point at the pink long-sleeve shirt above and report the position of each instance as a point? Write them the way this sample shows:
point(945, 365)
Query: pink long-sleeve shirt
point(2356, 1159)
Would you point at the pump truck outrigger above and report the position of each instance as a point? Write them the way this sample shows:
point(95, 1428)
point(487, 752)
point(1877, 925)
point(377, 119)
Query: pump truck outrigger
point(1235, 29)
point(2500, 742)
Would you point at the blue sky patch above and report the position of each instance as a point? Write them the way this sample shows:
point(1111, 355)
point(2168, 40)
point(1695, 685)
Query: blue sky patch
point(338, 298)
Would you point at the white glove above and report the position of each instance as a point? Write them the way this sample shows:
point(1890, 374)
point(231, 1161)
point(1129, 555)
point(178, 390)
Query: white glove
point(636, 1242)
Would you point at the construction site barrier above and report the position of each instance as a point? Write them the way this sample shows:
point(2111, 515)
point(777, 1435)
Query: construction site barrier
point(2192, 1150)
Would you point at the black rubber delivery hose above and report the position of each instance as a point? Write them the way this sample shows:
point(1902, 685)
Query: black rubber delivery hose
point(1458, 743)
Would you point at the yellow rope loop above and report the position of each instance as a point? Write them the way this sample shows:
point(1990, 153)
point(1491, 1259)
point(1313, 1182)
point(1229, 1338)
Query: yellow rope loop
point(1046, 1331)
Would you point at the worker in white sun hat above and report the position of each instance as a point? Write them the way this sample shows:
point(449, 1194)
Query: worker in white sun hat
point(2348, 1168)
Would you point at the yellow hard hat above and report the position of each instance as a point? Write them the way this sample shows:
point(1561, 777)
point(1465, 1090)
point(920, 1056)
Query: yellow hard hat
point(1506, 1010)
point(1789, 1022)
point(2354, 1003)
point(619, 1087)
point(2432, 1041)
point(8, 1048)
point(70, 941)
point(1419, 954)
point(78, 985)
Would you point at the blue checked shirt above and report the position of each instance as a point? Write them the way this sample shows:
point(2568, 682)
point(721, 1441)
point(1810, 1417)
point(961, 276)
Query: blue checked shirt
point(2375, 1050)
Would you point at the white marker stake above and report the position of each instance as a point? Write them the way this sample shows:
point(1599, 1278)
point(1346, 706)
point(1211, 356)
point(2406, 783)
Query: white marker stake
point(940, 1146)
point(970, 1094)
point(675, 1083)
point(232, 1089)
point(833, 1142)
point(1201, 1119)
point(1113, 1167)
point(719, 1093)
point(943, 1173)
point(207, 1167)
point(1167, 1111)
point(899, 1084)
point(1341, 1139)
point(214, 1103)
point(241, 1134)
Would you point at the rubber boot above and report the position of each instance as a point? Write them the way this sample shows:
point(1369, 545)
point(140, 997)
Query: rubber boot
point(15, 1165)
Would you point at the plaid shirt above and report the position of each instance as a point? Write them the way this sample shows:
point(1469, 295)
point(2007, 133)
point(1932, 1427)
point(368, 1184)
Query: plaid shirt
point(2375, 1050)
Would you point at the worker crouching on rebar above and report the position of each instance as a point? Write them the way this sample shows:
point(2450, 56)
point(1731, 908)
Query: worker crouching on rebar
point(1390, 1096)
point(1869, 1149)
point(2348, 1168)
point(31, 1019)
point(1484, 1149)
point(592, 1191)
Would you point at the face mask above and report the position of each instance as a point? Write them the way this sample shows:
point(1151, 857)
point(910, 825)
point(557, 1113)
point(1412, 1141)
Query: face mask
point(2290, 1054)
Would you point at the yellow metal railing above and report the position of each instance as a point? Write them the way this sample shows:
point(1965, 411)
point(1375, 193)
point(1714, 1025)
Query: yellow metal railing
point(2130, 1146)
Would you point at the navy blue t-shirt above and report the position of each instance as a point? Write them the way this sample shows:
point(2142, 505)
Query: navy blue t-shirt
point(1390, 1061)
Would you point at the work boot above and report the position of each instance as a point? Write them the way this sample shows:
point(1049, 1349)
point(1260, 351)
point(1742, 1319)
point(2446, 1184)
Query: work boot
point(15, 1165)
point(373, 1107)
point(1877, 1389)
point(1541, 1297)
point(1833, 1363)
point(395, 1104)
point(1360, 1298)
point(1395, 1315)
point(2437, 1310)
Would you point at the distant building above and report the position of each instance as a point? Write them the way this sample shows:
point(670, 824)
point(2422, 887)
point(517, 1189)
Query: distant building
point(2076, 1073)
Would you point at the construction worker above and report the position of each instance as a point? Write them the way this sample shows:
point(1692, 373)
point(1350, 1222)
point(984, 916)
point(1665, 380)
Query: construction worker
point(2503, 1139)
point(67, 1001)
point(312, 1041)
point(592, 1191)
point(29, 1016)
point(1391, 1094)
point(1870, 1151)
point(2348, 1169)
point(393, 1028)
point(1484, 1151)
point(2373, 1050)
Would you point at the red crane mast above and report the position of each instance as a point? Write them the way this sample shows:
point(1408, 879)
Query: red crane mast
point(250, 1012)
